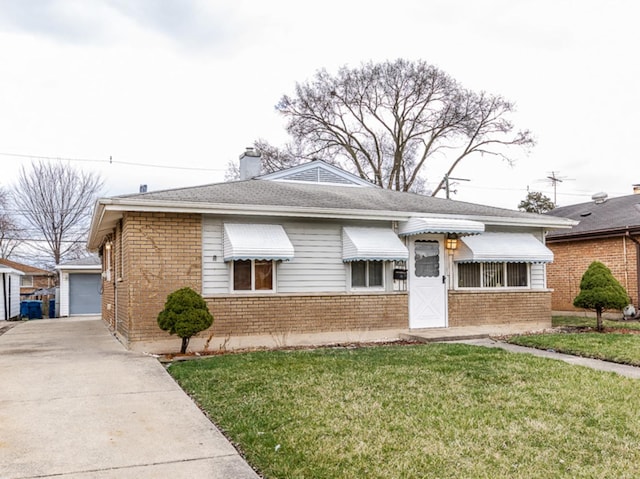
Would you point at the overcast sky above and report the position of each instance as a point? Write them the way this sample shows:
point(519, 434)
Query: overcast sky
point(183, 86)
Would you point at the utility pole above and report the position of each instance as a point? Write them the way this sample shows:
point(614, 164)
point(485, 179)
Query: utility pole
point(447, 178)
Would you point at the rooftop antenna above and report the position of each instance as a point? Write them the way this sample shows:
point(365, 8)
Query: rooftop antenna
point(448, 185)
point(554, 179)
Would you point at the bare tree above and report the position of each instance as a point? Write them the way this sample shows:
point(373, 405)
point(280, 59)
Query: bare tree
point(387, 120)
point(56, 200)
point(9, 240)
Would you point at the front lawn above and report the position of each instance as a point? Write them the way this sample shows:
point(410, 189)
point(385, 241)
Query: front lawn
point(612, 345)
point(438, 410)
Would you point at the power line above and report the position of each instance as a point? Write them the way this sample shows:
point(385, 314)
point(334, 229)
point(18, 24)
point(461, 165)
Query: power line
point(110, 161)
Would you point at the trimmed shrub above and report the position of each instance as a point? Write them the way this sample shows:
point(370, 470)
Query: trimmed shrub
point(185, 313)
point(599, 290)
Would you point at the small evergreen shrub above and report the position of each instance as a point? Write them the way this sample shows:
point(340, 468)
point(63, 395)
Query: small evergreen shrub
point(599, 290)
point(185, 313)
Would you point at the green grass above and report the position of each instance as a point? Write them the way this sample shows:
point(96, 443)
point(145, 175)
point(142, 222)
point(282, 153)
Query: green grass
point(437, 411)
point(579, 321)
point(609, 346)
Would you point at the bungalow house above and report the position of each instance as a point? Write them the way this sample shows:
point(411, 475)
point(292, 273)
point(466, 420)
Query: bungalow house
point(290, 256)
point(9, 293)
point(608, 231)
point(32, 279)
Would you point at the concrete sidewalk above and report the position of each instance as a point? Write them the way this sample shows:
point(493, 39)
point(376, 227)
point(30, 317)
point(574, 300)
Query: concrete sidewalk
point(75, 404)
point(622, 369)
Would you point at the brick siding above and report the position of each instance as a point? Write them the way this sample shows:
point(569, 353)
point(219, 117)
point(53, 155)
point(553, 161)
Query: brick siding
point(572, 258)
point(256, 315)
point(474, 308)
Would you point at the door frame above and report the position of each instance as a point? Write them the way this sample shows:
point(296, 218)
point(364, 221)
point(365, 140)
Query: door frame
point(443, 278)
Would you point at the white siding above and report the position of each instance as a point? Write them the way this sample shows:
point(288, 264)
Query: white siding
point(317, 265)
point(64, 294)
point(13, 291)
point(215, 272)
point(538, 276)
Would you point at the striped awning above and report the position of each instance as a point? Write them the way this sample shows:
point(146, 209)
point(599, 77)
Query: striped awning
point(502, 248)
point(372, 244)
point(256, 241)
point(416, 226)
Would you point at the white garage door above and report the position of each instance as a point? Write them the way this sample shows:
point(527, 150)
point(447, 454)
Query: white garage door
point(84, 293)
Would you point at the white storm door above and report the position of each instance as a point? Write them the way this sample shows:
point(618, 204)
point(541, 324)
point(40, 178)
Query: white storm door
point(427, 289)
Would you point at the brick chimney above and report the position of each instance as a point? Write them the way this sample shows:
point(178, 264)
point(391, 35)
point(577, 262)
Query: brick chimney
point(250, 164)
point(636, 189)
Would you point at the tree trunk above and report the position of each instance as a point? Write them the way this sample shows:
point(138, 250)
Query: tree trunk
point(185, 343)
point(599, 319)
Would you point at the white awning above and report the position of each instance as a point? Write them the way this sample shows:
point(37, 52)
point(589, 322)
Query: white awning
point(251, 241)
point(502, 248)
point(372, 244)
point(416, 226)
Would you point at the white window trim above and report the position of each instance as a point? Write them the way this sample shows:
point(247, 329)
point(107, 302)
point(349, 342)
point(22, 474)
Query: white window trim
point(362, 289)
point(274, 280)
point(24, 284)
point(492, 288)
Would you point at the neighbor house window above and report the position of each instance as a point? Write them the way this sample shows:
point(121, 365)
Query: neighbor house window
point(26, 281)
point(493, 275)
point(253, 275)
point(367, 274)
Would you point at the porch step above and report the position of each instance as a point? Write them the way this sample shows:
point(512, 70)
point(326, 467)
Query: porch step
point(438, 338)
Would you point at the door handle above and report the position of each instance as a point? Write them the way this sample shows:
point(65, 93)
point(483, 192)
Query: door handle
point(444, 279)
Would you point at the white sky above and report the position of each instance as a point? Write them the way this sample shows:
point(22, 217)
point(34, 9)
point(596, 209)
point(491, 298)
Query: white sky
point(191, 83)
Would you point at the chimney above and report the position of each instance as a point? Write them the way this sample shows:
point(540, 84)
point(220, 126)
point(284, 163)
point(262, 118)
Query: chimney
point(250, 164)
point(636, 189)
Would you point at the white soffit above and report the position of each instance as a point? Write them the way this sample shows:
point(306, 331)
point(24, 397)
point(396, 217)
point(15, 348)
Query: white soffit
point(372, 244)
point(256, 241)
point(502, 248)
point(416, 226)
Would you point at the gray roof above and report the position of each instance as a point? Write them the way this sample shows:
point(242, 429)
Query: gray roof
point(318, 196)
point(614, 216)
point(91, 260)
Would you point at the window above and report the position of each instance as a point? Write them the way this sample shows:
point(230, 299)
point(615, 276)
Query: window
point(493, 275)
point(253, 275)
point(367, 274)
point(26, 281)
point(427, 259)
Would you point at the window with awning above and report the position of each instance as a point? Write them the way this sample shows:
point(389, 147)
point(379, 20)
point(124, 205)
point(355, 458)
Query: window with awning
point(256, 242)
point(372, 244)
point(502, 248)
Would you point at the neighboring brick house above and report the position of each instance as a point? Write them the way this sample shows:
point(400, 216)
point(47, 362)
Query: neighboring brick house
point(290, 256)
point(33, 278)
point(609, 232)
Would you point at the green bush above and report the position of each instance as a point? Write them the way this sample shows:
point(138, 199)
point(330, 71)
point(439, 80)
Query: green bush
point(185, 313)
point(599, 290)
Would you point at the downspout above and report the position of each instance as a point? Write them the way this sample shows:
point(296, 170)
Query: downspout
point(637, 268)
point(4, 296)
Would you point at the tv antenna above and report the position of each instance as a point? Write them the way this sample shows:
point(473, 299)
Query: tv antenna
point(553, 178)
point(449, 184)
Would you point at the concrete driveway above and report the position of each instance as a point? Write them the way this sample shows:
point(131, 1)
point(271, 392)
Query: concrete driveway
point(75, 404)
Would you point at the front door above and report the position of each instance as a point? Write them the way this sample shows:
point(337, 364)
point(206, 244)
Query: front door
point(427, 285)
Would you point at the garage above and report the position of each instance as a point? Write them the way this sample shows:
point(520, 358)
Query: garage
point(84, 293)
point(80, 287)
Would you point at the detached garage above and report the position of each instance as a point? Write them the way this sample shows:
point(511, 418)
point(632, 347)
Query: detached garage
point(9, 293)
point(80, 287)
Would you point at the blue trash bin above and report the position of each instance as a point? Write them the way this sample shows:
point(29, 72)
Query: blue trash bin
point(24, 308)
point(52, 308)
point(35, 309)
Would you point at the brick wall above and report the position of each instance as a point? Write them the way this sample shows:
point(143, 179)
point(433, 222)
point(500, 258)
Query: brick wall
point(474, 308)
point(255, 315)
point(162, 252)
point(572, 258)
